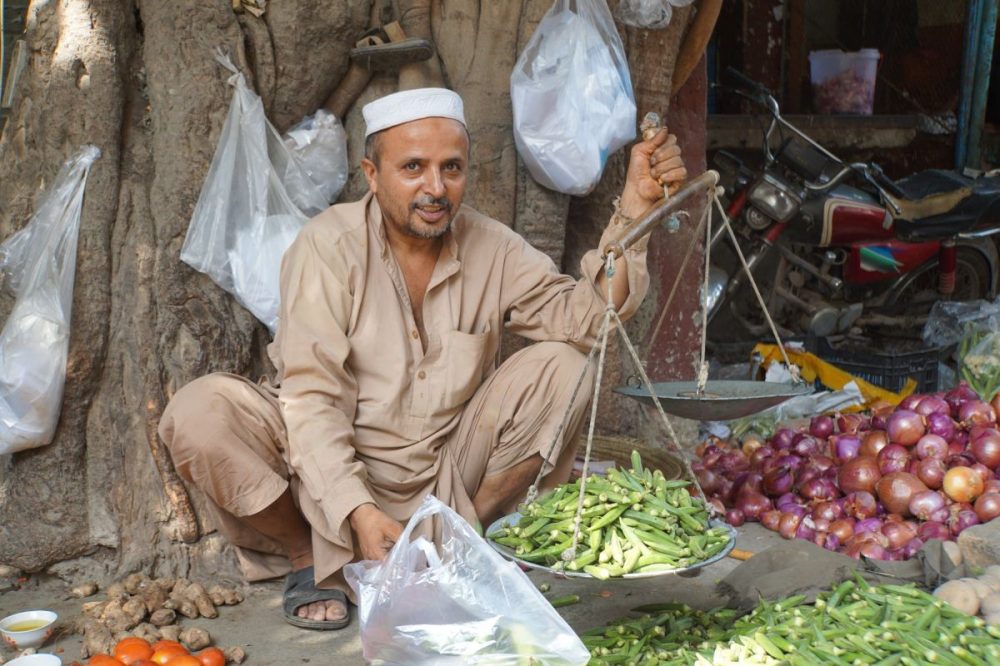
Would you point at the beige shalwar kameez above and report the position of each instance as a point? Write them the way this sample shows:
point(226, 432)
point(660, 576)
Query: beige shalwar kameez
point(364, 413)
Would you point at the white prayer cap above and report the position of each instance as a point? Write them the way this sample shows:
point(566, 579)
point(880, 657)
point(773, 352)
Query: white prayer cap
point(408, 105)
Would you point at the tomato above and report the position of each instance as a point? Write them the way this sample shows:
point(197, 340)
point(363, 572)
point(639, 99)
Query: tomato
point(165, 643)
point(166, 653)
point(184, 660)
point(211, 656)
point(132, 649)
point(102, 659)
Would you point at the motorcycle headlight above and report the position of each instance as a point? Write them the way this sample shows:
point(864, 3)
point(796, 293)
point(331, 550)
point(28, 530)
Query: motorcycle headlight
point(773, 197)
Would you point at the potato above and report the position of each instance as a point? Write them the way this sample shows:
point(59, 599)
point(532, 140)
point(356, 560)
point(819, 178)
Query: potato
point(982, 589)
point(992, 570)
point(959, 595)
point(992, 581)
point(993, 620)
point(991, 604)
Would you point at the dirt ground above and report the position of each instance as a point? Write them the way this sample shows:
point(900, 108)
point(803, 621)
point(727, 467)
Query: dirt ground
point(257, 625)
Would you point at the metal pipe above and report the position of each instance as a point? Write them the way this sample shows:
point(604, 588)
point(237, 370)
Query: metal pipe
point(980, 89)
point(973, 20)
point(830, 281)
point(706, 182)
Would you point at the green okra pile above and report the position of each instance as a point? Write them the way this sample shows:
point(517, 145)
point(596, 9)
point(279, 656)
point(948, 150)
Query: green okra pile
point(854, 624)
point(634, 521)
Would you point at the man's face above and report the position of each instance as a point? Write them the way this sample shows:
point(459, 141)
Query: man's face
point(419, 175)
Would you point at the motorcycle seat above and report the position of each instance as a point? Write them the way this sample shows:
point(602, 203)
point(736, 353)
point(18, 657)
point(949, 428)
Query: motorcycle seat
point(930, 194)
point(978, 208)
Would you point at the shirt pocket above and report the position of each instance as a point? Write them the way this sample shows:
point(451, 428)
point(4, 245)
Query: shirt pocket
point(465, 356)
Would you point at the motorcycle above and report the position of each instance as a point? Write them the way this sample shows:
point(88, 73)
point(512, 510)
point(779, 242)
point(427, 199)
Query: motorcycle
point(839, 247)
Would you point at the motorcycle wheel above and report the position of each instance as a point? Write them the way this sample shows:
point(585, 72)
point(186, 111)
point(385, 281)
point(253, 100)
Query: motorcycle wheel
point(972, 282)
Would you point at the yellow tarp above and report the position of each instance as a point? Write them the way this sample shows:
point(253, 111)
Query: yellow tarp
point(812, 368)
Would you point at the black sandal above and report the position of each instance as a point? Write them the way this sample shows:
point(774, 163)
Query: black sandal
point(300, 590)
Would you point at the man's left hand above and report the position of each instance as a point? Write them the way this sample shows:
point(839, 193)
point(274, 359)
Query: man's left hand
point(653, 164)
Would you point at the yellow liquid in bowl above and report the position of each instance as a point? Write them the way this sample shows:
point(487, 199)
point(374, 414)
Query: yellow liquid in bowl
point(27, 625)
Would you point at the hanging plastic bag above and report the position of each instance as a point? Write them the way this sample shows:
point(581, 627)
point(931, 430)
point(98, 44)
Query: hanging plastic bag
point(40, 264)
point(572, 96)
point(246, 217)
point(463, 604)
point(320, 144)
point(648, 14)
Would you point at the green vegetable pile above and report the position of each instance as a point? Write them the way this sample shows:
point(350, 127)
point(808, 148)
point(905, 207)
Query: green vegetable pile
point(979, 361)
point(854, 624)
point(634, 521)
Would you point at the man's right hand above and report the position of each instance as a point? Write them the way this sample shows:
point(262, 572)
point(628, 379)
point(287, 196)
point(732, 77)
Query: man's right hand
point(377, 532)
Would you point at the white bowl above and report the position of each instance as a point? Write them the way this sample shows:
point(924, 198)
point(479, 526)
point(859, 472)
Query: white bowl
point(26, 638)
point(36, 660)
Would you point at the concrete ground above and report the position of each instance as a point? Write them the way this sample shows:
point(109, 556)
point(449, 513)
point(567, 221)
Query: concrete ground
point(258, 627)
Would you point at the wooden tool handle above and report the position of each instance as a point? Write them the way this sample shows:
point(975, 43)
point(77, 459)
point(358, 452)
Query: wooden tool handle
point(742, 555)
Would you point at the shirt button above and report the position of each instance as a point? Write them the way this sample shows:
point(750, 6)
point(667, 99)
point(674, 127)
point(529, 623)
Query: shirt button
point(414, 334)
point(421, 375)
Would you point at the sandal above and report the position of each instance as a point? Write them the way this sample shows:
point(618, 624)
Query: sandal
point(300, 589)
point(389, 47)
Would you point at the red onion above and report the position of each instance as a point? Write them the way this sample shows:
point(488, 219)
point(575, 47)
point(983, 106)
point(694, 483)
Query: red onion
point(893, 458)
point(708, 480)
point(752, 504)
point(792, 461)
point(822, 525)
point(911, 401)
point(758, 457)
point(771, 519)
point(906, 427)
point(940, 516)
point(957, 444)
point(898, 534)
point(986, 448)
point(821, 462)
point(872, 442)
point(868, 525)
point(911, 548)
point(821, 426)
point(733, 461)
point(995, 403)
point(931, 446)
point(789, 525)
point(843, 528)
point(861, 505)
point(962, 520)
point(874, 551)
point(778, 482)
point(746, 481)
point(711, 456)
point(782, 439)
point(859, 474)
point(896, 489)
point(925, 503)
point(976, 412)
point(849, 424)
point(806, 529)
point(991, 486)
point(806, 475)
point(735, 517)
point(751, 443)
point(960, 460)
point(832, 542)
point(932, 404)
point(803, 445)
point(797, 509)
point(878, 421)
point(958, 395)
point(988, 507)
point(846, 447)
point(818, 489)
point(717, 504)
point(788, 499)
point(962, 484)
point(931, 471)
point(984, 472)
point(827, 511)
point(933, 530)
point(941, 425)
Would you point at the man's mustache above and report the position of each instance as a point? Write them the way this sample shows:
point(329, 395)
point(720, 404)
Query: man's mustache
point(443, 202)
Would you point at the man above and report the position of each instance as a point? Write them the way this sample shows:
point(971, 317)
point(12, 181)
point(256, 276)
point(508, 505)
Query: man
point(388, 386)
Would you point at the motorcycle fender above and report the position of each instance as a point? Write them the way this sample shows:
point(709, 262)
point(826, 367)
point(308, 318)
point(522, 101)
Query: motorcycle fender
point(984, 246)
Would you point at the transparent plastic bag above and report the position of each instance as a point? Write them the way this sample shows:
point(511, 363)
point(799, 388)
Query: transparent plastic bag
point(40, 264)
point(320, 143)
point(246, 217)
point(572, 97)
point(648, 14)
point(949, 321)
point(462, 604)
point(975, 327)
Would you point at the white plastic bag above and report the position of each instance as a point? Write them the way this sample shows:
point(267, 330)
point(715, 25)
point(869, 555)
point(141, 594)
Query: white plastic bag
point(649, 14)
point(40, 263)
point(572, 96)
point(246, 217)
point(463, 604)
point(320, 143)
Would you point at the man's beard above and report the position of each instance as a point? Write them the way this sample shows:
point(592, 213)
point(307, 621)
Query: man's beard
point(436, 232)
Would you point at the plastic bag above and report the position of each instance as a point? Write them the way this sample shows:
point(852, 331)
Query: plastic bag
point(462, 605)
point(246, 217)
point(572, 96)
point(975, 327)
point(320, 144)
point(949, 321)
point(40, 263)
point(649, 14)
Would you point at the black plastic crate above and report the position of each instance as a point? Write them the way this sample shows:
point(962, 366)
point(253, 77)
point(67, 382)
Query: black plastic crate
point(889, 369)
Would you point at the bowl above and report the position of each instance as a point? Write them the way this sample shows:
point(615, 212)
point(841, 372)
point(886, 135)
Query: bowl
point(28, 629)
point(36, 660)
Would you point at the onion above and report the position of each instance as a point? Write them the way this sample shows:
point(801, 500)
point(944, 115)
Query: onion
point(798, 510)
point(874, 551)
point(932, 404)
point(832, 542)
point(868, 525)
point(976, 412)
point(983, 471)
point(873, 441)
point(758, 457)
point(789, 525)
point(931, 471)
point(788, 499)
point(925, 503)
point(958, 395)
point(806, 529)
point(752, 504)
point(896, 489)
point(827, 511)
point(893, 458)
point(821, 462)
point(778, 482)
point(804, 445)
point(849, 424)
point(733, 461)
point(962, 520)
point(958, 443)
point(735, 517)
point(931, 446)
point(821, 426)
point(792, 461)
point(861, 505)
point(746, 481)
point(911, 548)
point(986, 448)
point(898, 534)
point(717, 504)
point(940, 516)
point(911, 401)
point(818, 489)
point(962, 484)
point(708, 480)
point(822, 525)
point(960, 460)
point(751, 443)
point(782, 439)
point(771, 519)
point(941, 425)
point(710, 457)
point(991, 486)
point(878, 421)
point(860, 474)
point(988, 507)
point(843, 528)
point(933, 530)
point(905, 427)
point(846, 447)
point(995, 403)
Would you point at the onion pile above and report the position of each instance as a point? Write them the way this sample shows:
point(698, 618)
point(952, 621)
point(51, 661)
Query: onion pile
point(877, 485)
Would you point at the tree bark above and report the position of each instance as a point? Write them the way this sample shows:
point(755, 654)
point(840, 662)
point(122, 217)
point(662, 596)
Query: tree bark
point(138, 79)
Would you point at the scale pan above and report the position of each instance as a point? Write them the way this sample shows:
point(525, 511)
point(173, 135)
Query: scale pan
point(723, 400)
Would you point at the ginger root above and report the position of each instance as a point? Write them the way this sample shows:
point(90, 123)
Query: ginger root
point(194, 638)
point(235, 654)
point(162, 617)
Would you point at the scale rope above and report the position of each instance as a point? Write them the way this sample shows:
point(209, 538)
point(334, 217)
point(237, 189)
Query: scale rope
point(611, 319)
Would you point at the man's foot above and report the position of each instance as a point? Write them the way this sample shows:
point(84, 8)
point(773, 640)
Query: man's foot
point(309, 607)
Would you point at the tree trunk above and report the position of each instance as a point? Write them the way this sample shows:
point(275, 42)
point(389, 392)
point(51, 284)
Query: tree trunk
point(138, 79)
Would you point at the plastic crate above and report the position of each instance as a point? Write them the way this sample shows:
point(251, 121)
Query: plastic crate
point(889, 369)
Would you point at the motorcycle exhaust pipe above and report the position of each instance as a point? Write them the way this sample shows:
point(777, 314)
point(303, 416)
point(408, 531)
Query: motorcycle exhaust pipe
point(947, 267)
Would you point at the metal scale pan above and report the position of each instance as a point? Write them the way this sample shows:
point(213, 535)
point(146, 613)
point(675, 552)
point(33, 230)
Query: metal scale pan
point(722, 400)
